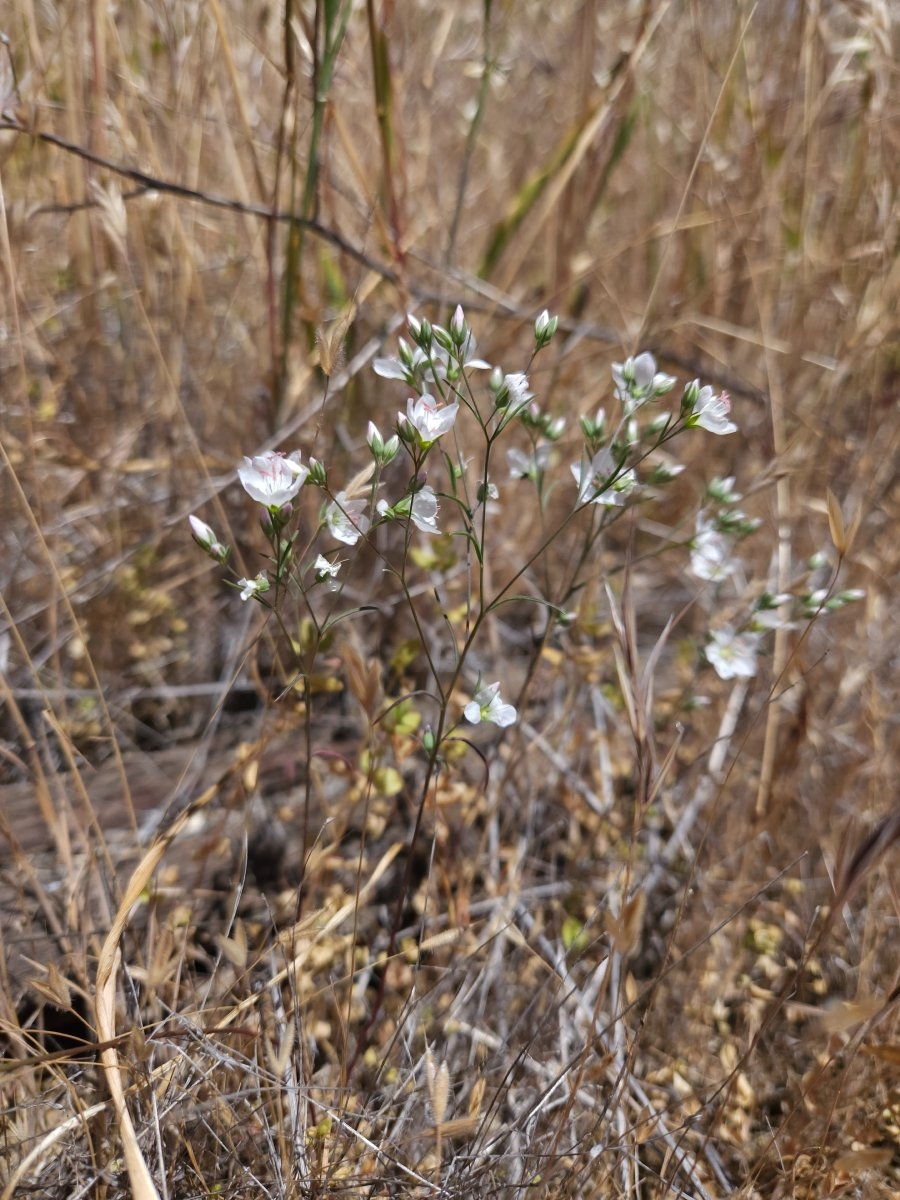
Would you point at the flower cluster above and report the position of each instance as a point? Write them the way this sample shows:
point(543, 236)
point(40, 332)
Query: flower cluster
point(637, 381)
point(721, 525)
point(620, 461)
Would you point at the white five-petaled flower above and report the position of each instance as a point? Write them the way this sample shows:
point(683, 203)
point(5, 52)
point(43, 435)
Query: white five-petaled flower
point(325, 569)
point(711, 411)
point(273, 479)
point(765, 619)
point(637, 372)
point(487, 705)
point(516, 386)
point(637, 381)
point(527, 466)
point(421, 508)
point(424, 510)
point(711, 556)
point(411, 366)
point(254, 587)
point(428, 421)
point(590, 477)
point(733, 655)
point(346, 519)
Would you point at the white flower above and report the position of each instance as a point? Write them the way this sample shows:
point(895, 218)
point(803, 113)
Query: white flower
point(516, 386)
point(527, 466)
point(390, 368)
point(273, 479)
point(428, 421)
point(254, 587)
point(421, 508)
point(411, 366)
point(346, 519)
point(634, 371)
point(637, 381)
point(590, 477)
point(325, 569)
point(733, 655)
point(711, 412)
point(765, 619)
point(711, 556)
point(488, 706)
point(424, 510)
point(467, 356)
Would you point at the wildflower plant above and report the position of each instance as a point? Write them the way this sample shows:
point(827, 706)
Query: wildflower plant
point(440, 474)
point(419, 481)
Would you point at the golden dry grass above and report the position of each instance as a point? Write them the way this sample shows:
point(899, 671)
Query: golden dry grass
point(600, 987)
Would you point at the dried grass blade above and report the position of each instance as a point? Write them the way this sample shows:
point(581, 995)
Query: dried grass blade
point(143, 1187)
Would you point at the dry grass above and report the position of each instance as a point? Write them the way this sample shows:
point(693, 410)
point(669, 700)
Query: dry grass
point(608, 979)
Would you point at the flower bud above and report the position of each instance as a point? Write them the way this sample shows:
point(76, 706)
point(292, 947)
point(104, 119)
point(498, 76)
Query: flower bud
point(500, 388)
point(374, 440)
point(665, 472)
point(544, 329)
point(459, 330)
point(422, 333)
point(318, 476)
point(690, 397)
point(207, 540)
